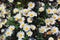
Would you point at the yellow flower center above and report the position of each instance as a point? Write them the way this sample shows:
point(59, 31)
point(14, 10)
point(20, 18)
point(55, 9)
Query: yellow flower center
point(42, 30)
point(16, 19)
point(8, 33)
point(48, 10)
point(20, 35)
point(20, 20)
point(54, 17)
point(31, 5)
point(26, 28)
point(58, 18)
point(11, 28)
point(29, 33)
point(16, 10)
point(55, 11)
point(31, 15)
point(58, 2)
point(3, 36)
point(23, 25)
point(47, 21)
point(51, 21)
point(54, 30)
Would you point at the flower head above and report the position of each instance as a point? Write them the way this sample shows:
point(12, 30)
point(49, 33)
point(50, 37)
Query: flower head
point(51, 38)
point(26, 27)
point(8, 32)
point(20, 34)
point(29, 33)
point(54, 30)
point(11, 27)
point(32, 14)
point(31, 4)
point(42, 29)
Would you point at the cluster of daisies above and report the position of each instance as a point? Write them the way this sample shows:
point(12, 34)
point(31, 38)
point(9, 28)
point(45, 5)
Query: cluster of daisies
point(50, 22)
point(3, 13)
point(54, 17)
point(20, 17)
point(25, 18)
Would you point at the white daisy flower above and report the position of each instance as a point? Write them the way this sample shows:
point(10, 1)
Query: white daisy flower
point(25, 11)
point(42, 29)
point(58, 18)
point(32, 14)
point(47, 21)
point(33, 27)
point(22, 25)
point(11, 27)
point(54, 30)
point(8, 32)
point(3, 37)
point(29, 20)
point(25, 14)
point(51, 38)
point(17, 17)
point(58, 11)
point(26, 27)
point(11, 1)
point(54, 10)
point(52, 21)
point(41, 9)
point(54, 16)
point(2, 6)
point(15, 10)
point(20, 34)
point(4, 21)
point(48, 27)
point(49, 11)
point(3, 12)
point(58, 1)
point(21, 10)
point(21, 20)
point(31, 5)
point(29, 33)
